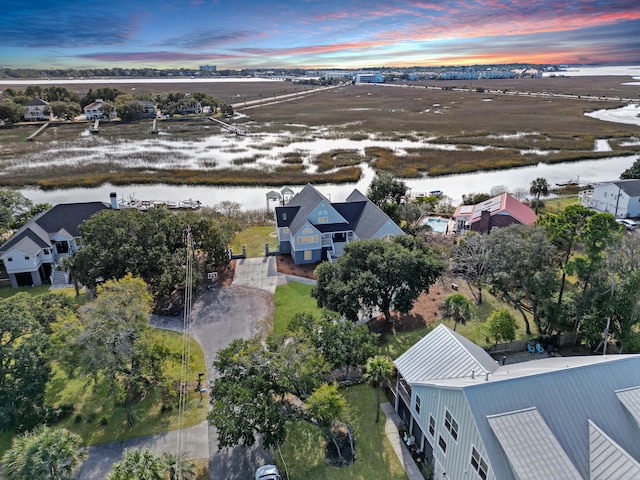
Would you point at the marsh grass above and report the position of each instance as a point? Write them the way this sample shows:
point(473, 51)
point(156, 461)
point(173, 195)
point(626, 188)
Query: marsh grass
point(292, 158)
point(337, 158)
point(513, 131)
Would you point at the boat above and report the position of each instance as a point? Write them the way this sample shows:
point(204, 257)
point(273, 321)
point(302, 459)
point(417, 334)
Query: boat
point(145, 205)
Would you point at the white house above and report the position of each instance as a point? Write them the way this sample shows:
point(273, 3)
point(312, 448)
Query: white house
point(620, 198)
point(96, 110)
point(548, 418)
point(31, 255)
point(37, 110)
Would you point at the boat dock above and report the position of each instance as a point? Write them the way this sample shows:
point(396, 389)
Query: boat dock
point(96, 127)
point(228, 127)
point(145, 205)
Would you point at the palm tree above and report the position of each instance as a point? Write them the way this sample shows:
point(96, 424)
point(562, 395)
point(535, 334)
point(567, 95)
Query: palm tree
point(539, 187)
point(458, 307)
point(378, 369)
point(179, 467)
point(52, 453)
point(138, 465)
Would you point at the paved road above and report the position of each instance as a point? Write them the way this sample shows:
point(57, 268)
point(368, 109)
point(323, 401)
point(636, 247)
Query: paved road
point(217, 317)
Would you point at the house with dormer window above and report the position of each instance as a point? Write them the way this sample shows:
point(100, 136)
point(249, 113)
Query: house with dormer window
point(31, 255)
point(550, 417)
point(311, 228)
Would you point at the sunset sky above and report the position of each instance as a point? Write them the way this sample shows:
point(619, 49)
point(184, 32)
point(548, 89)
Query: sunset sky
point(234, 34)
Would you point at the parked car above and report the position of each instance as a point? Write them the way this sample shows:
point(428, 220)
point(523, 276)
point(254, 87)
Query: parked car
point(629, 224)
point(268, 472)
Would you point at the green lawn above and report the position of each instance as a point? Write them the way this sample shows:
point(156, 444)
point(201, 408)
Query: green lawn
point(93, 404)
point(292, 298)
point(303, 450)
point(6, 292)
point(555, 205)
point(255, 238)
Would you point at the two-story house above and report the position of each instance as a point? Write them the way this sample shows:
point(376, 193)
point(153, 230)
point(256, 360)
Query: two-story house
point(31, 255)
point(551, 417)
point(98, 110)
point(37, 110)
point(620, 198)
point(311, 228)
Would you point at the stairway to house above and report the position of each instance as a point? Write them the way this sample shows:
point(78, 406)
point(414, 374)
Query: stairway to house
point(59, 278)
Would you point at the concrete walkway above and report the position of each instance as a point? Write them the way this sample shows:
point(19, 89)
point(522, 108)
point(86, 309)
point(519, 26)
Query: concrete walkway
point(391, 430)
point(261, 273)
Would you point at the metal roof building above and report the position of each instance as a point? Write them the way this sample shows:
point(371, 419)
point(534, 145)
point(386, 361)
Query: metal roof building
point(556, 417)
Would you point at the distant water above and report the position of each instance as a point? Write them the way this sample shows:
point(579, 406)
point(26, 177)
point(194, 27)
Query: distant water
point(631, 70)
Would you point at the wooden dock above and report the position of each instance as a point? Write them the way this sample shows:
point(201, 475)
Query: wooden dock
point(34, 134)
point(154, 127)
point(228, 127)
point(96, 127)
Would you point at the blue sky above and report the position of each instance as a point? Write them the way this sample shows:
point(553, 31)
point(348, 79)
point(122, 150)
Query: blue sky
point(315, 33)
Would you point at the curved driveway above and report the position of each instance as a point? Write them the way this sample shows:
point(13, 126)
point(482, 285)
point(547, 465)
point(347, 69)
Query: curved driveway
point(217, 317)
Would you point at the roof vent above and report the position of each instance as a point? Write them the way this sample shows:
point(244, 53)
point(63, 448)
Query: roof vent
point(486, 377)
point(473, 374)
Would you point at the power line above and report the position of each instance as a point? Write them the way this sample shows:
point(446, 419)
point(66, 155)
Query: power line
point(186, 347)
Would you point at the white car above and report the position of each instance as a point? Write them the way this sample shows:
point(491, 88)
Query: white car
point(268, 472)
point(629, 224)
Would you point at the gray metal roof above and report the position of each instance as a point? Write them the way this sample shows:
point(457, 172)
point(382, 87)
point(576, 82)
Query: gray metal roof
point(443, 354)
point(607, 459)
point(566, 392)
point(532, 449)
point(566, 399)
point(630, 398)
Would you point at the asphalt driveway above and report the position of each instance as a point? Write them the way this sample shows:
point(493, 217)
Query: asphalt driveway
point(218, 316)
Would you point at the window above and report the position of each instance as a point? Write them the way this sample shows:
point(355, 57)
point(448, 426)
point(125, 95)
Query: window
point(442, 444)
point(284, 216)
point(451, 425)
point(417, 403)
point(26, 257)
point(432, 426)
point(10, 259)
point(285, 229)
point(308, 255)
point(46, 251)
point(478, 464)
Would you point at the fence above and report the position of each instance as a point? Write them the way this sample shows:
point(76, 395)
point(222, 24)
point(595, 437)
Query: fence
point(557, 341)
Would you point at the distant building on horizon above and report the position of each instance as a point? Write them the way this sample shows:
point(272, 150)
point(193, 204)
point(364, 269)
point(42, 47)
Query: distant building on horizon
point(369, 77)
point(208, 68)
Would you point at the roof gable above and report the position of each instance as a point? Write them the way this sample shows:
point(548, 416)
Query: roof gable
point(530, 446)
point(630, 398)
point(607, 459)
point(499, 205)
point(63, 219)
point(565, 398)
point(443, 354)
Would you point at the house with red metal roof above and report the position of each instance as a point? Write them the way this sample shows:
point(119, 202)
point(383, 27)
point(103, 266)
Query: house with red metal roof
point(499, 211)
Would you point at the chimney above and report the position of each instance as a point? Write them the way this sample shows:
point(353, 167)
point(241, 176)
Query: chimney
point(114, 200)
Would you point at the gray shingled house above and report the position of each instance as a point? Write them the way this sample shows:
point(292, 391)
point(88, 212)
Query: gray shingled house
point(311, 228)
point(32, 253)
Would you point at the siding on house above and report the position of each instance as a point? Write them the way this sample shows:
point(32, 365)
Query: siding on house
point(516, 412)
point(310, 225)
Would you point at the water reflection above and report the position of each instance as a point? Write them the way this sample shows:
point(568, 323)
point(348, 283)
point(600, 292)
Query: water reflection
point(455, 186)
